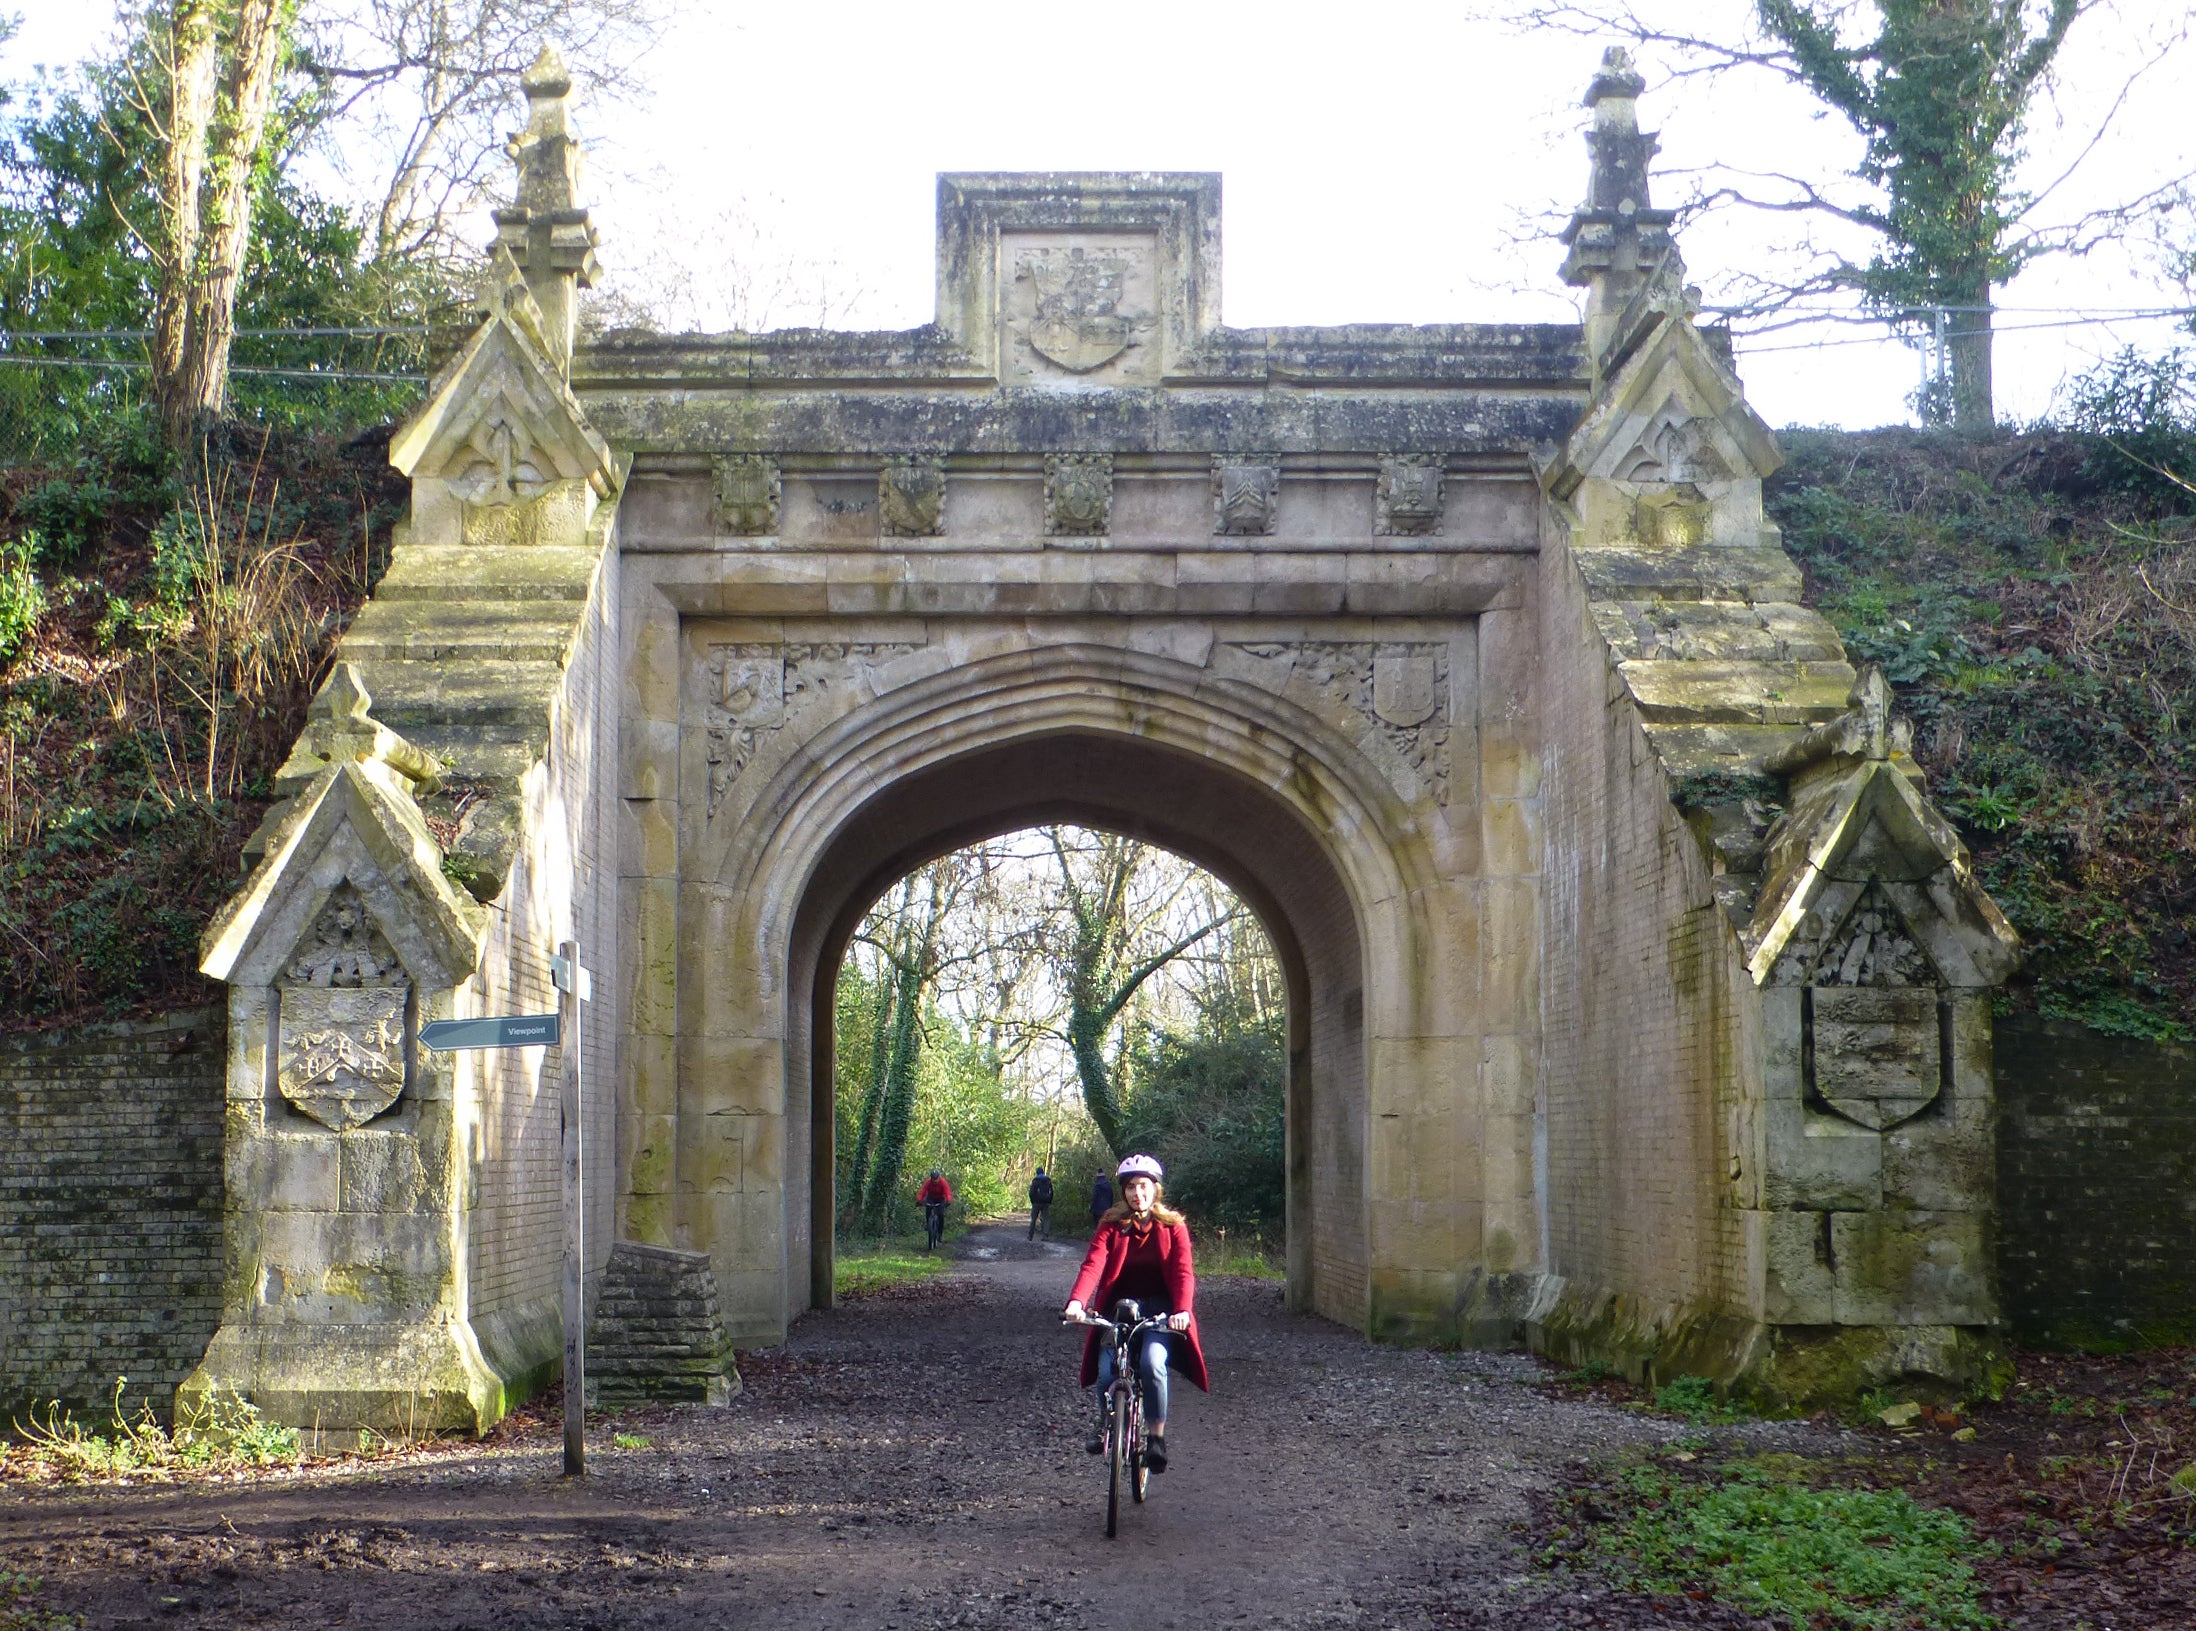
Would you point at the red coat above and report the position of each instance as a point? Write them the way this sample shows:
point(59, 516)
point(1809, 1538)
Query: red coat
point(1101, 1271)
point(935, 1189)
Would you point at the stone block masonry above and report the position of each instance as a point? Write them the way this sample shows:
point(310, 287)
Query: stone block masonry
point(110, 1210)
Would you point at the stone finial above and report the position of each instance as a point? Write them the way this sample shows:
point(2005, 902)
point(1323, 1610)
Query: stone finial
point(1618, 239)
point(546, 233)
point(1867, 730)
point(340, 728)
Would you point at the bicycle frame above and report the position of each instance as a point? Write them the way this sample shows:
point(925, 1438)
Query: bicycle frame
point(1122, 1422)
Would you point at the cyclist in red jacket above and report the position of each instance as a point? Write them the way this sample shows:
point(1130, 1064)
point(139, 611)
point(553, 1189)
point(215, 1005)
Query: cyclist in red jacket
point(1142, 1251)
point(936, 1195)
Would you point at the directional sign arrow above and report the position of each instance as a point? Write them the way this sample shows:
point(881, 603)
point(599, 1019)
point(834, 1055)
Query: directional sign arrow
point(503, 1031)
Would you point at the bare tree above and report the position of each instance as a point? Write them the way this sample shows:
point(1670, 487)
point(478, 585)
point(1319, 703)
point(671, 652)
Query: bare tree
point(1939, 91)
point(429, 84)
point(1111, 943)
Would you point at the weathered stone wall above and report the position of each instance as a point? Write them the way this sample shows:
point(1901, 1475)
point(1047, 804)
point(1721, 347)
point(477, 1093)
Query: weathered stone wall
point(561, 883)
point(110, 1209)
point(2096, 1186)
point(1646, 1041)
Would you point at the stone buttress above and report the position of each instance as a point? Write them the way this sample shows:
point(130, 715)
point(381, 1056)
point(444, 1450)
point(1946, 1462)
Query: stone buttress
point(392, 1218)
point(1810, 941)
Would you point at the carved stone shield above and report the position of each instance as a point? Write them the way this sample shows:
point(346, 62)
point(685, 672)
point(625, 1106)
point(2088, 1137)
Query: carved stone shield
point(1245, 498)
point(1078, 322)
point(1403, 688)
point(1408, 496)
point(754, 689)
point(1078, 493)
point(1876, 1051)
point(911, 497)
point(342, 1057)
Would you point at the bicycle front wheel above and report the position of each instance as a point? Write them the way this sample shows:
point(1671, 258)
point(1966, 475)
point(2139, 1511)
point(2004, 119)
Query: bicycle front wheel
point(1117, 1458)
point(1139, 1468)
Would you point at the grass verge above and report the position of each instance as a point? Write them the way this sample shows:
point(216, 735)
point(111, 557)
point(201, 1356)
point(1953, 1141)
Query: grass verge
point(1764, 1534)
point(865, 1267)
point(1246, 1254)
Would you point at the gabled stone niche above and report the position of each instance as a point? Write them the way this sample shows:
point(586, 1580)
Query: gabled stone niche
point(1866, 1171)
point(343, 1289)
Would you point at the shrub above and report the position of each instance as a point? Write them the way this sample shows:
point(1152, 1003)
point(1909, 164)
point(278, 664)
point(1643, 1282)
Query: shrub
point(22, 595)
point(1210, 1105)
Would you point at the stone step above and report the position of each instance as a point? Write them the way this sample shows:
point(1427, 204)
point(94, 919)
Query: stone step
point(458, 572)
point(1738, 693)
point(461, 692)
point(437, 631)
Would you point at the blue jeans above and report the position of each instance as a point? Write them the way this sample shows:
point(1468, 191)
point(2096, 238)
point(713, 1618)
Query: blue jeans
point(1151, 1364)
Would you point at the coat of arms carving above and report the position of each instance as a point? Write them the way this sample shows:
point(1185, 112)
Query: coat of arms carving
point(1407, 502)
point(345, 999)
point(1873, 1048)
point(1078, 493)
point(1245, 497)
point(911, 497)
point(1079, 321)
point(747, 493)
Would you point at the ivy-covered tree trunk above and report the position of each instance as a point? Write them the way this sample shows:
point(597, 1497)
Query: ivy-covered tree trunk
point(1101, 976)
point(865, 1139)
point(211, 177)
point(192, 71)
point(896, 1109)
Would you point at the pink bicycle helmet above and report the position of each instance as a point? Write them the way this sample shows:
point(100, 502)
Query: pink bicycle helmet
point(1140, 1166)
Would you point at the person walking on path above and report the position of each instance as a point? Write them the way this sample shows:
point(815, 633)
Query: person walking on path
point(1141, 1252)
point(1040, 1205)
point(1101, 1199)
point(936, 1195)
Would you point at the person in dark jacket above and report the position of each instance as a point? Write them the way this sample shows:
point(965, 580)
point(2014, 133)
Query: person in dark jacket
point(1101, 1199)
point(1040, 1204)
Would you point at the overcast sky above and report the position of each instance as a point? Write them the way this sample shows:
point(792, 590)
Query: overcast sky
point(1383, 161)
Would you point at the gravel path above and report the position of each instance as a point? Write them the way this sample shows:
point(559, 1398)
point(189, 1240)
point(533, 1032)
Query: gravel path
point(910, 1460)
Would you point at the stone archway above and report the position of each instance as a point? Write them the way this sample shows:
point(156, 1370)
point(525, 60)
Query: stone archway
point(1213, 817)
point(1293, 818)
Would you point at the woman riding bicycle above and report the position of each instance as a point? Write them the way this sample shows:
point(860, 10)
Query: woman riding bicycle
point(1141, 1252)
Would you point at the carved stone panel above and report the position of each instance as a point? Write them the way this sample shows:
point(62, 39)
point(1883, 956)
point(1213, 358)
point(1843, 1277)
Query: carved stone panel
point(911, 497)
point(1870, 946)
point(1407, 502)
point(1078, 305)
point(1245, 497)
point(1078, 493)
point(344, 1004)
point(757, 687)
point(748, 488)
point(1675, 446)
point(1400, 689)
point(1873, 1046)
point(1875, 1055)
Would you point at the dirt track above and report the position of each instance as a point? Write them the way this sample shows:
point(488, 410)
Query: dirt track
point(911, 1460)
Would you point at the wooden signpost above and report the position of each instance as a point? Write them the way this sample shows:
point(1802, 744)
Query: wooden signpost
point(560, 1030)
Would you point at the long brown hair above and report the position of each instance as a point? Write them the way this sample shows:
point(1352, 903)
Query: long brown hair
point(1118, 1212)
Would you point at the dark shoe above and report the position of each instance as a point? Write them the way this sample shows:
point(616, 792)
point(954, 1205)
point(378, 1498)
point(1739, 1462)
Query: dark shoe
point(1155, 1453)
point(1095, 1444)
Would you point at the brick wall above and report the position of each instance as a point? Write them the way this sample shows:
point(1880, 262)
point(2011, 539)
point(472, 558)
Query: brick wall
point(2096, 1186)
point(1645, 1036)
point(516, 1244)
point(110, 1209)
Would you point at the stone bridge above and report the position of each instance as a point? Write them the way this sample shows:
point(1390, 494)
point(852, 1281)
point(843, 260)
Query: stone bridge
point(1639, 997)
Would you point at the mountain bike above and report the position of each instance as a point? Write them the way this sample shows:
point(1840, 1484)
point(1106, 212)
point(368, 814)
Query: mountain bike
point(934, 1224)
point(1121, 1413)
